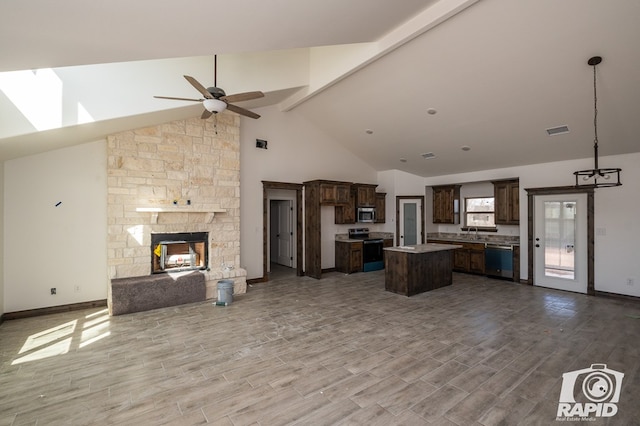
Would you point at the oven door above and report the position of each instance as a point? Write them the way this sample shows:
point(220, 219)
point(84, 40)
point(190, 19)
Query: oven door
point(372, 257)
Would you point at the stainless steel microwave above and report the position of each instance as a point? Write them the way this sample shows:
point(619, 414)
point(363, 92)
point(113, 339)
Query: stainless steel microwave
point(366, 214)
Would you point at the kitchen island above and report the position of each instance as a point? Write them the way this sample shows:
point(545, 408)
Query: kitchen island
point(410, 270)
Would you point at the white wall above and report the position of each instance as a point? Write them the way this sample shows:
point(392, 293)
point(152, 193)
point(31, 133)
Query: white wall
point(60, 246)
point(297, 152)
point(616, 214)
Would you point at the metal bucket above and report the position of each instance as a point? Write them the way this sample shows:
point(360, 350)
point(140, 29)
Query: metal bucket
point(225, 291)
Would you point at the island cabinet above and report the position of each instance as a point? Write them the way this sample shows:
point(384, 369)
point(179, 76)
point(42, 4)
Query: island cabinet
point(422, 268)
point(507, 201)
point(446, 204)
point(349, 256)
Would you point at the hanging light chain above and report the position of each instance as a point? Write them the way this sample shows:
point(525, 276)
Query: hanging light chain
point(595, 108)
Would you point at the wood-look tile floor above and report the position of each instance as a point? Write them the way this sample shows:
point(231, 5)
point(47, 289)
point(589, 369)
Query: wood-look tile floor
point(340, 350)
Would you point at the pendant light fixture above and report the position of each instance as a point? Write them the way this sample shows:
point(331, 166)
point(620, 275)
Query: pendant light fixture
point(597, 177)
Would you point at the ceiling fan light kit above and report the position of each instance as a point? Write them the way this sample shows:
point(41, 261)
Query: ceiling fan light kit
point(214, 105)
point(589, 178)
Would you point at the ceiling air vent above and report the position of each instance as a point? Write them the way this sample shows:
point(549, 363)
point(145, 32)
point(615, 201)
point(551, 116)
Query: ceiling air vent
point(557, 130)
point(428, 155)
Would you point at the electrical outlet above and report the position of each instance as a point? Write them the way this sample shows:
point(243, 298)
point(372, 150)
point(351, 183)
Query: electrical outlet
point(631, 282)
point(53, 291)
point(76, 289)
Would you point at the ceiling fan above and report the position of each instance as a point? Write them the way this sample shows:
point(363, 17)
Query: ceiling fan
point(215, 99)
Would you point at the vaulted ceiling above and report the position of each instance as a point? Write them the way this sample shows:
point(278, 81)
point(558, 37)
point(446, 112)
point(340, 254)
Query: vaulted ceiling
point(407, 78)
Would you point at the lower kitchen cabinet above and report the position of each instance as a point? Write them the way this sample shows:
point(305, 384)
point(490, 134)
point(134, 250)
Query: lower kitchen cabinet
point(469, 258)
point(349, 256)
point(476, 258)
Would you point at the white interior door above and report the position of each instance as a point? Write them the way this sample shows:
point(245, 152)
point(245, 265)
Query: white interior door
point(560, 242)
point(410, 221)
point(282, 232)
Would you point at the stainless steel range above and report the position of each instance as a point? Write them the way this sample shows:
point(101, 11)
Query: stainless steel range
point(372, 253)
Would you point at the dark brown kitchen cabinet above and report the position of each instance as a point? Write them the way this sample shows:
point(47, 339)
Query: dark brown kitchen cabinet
point(349, 256)
point(507, 201)
point(469, 258)
point(335, 193)
point(365, 195)
point(346, 213)
point(317, 193)
point(461, 260)
point(476, 258)
point(381, 206)
point(446, 204)
point(516, 264)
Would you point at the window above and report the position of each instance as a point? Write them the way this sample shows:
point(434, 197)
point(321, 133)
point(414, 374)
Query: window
point(479, 212)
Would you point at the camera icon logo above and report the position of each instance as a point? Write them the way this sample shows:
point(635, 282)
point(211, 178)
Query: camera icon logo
point(592, 391)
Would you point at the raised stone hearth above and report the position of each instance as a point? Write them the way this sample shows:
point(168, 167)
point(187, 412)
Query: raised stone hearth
point(182, 176)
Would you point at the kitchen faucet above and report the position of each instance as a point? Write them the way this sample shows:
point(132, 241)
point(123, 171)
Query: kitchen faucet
point(475, 237)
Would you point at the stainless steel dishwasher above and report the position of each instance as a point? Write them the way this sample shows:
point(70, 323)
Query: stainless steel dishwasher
point(498, 260)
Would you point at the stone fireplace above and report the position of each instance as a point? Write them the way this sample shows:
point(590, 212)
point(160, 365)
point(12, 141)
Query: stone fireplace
point(178, 177)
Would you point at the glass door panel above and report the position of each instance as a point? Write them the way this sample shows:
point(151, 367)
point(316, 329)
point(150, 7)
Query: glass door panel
point(560, 236)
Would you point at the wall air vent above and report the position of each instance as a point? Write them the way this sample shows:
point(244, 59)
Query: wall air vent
point(557, 130)
point(428, 155)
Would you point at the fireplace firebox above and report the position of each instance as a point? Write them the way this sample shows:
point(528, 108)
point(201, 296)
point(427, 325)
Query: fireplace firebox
point(181, 251)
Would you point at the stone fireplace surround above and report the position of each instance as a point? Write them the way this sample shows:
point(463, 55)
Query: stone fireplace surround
point(182, 176)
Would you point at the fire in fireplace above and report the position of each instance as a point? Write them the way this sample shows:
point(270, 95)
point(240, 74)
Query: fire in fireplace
point(179, 251)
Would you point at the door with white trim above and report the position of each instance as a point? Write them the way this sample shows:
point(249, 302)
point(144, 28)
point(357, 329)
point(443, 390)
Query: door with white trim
point(560, 257)
point(410, 221)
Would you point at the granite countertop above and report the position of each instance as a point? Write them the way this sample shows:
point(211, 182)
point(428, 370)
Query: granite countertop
point(423, 248)
point(374, 234)
point(469, 238)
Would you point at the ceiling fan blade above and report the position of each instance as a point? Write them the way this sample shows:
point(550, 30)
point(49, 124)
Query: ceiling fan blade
point(242, 111)
point(178, 99)
point(206, 114)
point(239, 97)
point(199, 87)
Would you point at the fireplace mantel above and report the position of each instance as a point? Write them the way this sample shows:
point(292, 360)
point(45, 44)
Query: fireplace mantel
point(155, 211)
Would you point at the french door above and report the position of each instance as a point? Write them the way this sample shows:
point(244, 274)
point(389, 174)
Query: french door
point(560, 246)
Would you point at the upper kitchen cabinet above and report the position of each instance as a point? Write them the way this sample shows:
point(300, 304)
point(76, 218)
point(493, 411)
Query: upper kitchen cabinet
point(446, 204)
point(335, 193)
point(381, 207)
point(365, 195)
point(507, 201)
point(346, 214)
